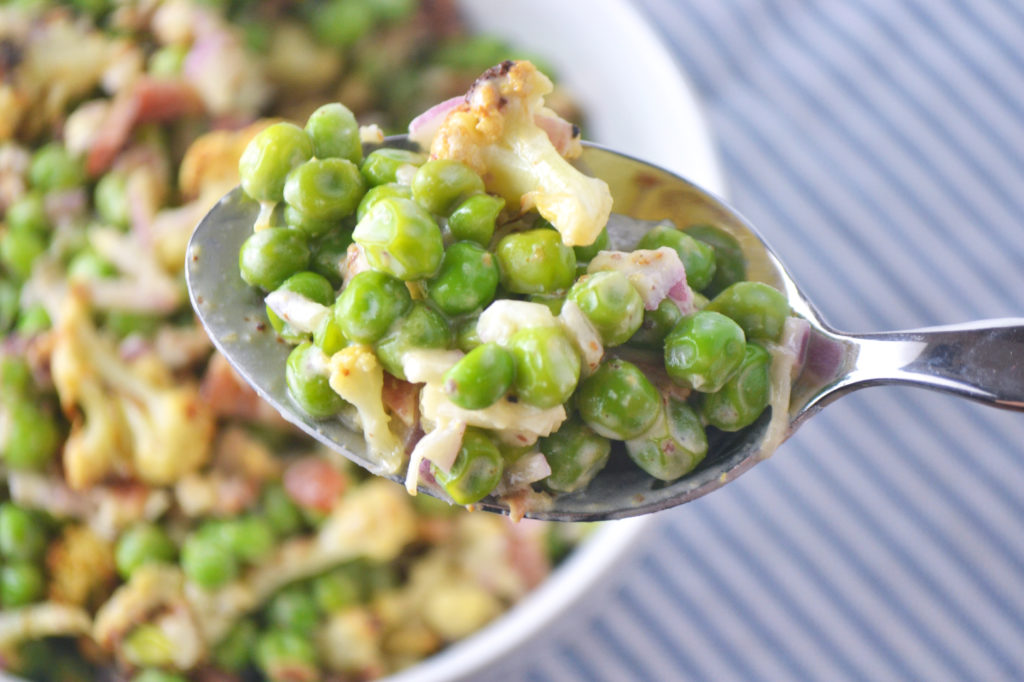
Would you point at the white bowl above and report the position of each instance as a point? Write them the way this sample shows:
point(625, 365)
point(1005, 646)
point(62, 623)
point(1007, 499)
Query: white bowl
point(638, 101)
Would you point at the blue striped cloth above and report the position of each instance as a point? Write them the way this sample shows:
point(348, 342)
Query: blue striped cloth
point(879, 146)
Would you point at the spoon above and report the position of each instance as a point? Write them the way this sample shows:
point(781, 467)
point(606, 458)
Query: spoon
point(983, 360)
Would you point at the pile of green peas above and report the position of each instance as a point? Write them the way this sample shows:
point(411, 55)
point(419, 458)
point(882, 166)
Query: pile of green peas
point(24, 535)
point(274, 641)
point(438, 250)
point(27, 230)
point(32, 432)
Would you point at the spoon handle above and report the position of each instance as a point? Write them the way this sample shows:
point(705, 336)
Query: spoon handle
point(981, 360)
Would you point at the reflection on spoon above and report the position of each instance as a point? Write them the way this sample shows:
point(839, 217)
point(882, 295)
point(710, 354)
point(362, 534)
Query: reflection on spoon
point(983, 361)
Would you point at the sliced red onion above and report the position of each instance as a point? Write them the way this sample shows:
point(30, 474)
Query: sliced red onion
point(682, 296)
point(654, 273)
point(796, 332)
point(564, 136)
point(423, 128)
point(583, 334)
point(441, 446)
point(527, 469)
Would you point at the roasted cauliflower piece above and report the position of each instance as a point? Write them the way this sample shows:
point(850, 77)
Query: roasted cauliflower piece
point(126, 418)
point(504, 132)
point(357, 377)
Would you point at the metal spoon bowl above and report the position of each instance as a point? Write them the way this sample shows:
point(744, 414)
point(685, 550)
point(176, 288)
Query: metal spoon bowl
point(983, 361)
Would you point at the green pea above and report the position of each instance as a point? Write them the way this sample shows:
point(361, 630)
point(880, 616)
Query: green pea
point(269, 158)
point(703, 350)
point(400, 238)
point(481, 377)
point(475, 218)
point(167, 61)
point(375, 194)
point(92, 7)
point(53, 167)
point(325, 189)
point(280, 511)
point(547, 366)
point(698, 257)
point(440, 185)
point(466, 336)
point(329, 253)
point(157, 675)
point(611, 303)
point(309, 285)
point(341, 587)
point(33, 320)
point(743, 398)
point(656, 325)
point(585, 253)
point(141, 544)
point(467, 280)
point(127, 322)
point(673, 446)
point(10, 303)
point(476, 471)
point(340, 23)
point(618, 401)
point(473, 53)
point(28, 214)
point(312, 227)
point(233, 653)
point(294, 609)
point(309, 384)
point(285, 655)
point(761, 310)
point(393, 10)
point(19, 250)
point(335, 133)
point(369, 304)
point(269, 257)
point(328, 336)
point(535, 262)
point(111, 200)
point(576, 455)
point(422, 327)
point(15, 377)
point(147, 645)
point(206, 562)
point(21, 583)
point(32, 436)
point(87, 265)
point(22, 533)
point(250, 537)
point(381, 165)
point(730, 263)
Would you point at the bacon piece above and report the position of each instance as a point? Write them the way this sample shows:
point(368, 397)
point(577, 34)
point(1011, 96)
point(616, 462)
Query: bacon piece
point(401, 398)
point(149, 100)
point(229, 396)
point(312, 482)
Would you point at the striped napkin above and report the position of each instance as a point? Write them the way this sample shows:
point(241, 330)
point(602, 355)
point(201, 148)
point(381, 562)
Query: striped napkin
point(879, 146)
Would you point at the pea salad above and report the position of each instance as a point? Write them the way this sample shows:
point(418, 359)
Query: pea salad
point(471, 275)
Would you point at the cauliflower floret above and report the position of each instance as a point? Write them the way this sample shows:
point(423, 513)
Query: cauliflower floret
point(45, 619)
point(133, 422)
point(358, 378)
point(501, 132)
point(81, 566)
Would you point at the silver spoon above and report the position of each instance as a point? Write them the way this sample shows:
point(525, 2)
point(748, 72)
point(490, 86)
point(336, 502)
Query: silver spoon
point(983, 360)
